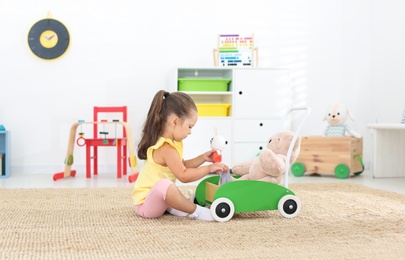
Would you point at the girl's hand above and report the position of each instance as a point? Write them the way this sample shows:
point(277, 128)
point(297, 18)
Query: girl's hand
point(218, 167)
point(208, 156)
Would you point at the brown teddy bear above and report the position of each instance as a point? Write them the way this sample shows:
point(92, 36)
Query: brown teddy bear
point(270, 164)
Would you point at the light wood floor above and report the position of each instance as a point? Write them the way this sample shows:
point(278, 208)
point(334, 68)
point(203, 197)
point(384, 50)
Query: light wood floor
point(110, 180)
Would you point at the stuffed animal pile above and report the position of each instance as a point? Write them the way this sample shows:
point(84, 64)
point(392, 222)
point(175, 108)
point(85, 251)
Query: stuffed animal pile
point(270, 164)
point(336, 119)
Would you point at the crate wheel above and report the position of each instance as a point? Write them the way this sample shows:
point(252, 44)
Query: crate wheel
point(358, 157)
point(342, 171)
point(289, 206)
point(222, 209)
point(298, 169)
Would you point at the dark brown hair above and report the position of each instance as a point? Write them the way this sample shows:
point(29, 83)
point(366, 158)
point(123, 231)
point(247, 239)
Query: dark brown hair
point(163, 105)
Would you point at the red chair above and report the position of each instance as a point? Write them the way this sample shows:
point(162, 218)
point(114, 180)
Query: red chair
point(120, 143)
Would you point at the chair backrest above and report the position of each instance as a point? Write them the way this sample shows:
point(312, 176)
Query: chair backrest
point(98, 110)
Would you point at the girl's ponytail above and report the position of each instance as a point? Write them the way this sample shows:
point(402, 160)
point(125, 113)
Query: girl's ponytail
point(163, 105)
point(153, 125)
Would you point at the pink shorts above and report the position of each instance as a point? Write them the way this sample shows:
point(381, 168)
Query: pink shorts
point(155, 205)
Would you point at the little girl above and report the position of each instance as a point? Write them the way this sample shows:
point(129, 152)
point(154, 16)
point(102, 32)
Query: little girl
point(170, 119)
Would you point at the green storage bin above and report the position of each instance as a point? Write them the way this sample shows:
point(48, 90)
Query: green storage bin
point(203, 84)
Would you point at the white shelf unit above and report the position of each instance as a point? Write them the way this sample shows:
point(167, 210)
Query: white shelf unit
point(208, 97)
point(259, 98)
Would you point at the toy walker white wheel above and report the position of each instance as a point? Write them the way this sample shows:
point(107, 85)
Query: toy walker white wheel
point(289, 206)
point(222, 209)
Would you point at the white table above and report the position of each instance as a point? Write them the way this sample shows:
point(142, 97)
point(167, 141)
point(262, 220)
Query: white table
point(389, 150)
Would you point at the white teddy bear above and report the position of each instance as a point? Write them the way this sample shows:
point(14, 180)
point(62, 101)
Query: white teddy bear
point(336, 118)
point(218, 143)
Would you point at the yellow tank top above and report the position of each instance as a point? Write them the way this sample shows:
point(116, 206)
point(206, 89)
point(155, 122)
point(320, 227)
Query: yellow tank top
point(151, 172)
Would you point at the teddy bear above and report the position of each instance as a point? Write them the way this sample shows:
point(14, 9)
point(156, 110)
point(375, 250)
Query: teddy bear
point(336, 118)
point(270, 164)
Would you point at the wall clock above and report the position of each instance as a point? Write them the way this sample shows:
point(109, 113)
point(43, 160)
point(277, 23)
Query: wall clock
point(48, 39)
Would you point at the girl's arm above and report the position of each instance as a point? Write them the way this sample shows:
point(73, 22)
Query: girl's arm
point(197, 161)
point(168, 156)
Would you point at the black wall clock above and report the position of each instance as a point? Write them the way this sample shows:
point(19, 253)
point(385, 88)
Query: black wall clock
point(48, 39)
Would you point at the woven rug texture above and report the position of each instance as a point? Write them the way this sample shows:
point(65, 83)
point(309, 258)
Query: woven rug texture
point(337, 221)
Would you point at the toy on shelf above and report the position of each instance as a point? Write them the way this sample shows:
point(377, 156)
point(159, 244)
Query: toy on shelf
point(236, 50)
point(2, 128)
point(251, 195)
point(336, 118)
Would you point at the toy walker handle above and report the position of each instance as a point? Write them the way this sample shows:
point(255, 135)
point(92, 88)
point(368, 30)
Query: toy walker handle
point(294, 140)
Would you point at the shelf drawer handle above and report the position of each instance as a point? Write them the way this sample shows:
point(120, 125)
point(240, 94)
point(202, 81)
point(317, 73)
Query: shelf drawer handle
point(261, 124)
point(240, 92)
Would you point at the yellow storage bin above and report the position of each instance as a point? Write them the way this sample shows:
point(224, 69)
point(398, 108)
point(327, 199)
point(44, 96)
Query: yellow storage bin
point(213, 109)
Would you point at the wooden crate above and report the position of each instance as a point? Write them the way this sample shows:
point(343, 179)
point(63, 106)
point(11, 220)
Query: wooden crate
point(321, 154)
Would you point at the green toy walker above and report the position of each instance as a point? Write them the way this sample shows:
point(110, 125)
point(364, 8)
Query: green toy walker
point(250, 195)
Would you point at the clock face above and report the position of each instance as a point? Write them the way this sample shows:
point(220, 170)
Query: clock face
point(48, 39)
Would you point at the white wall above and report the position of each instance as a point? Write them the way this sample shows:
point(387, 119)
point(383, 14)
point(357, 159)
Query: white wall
point(122, 52)
point(387, 60)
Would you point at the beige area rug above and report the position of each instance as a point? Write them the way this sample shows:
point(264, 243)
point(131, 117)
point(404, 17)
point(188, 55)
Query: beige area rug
point(337, 221)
